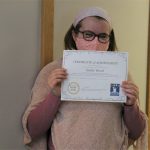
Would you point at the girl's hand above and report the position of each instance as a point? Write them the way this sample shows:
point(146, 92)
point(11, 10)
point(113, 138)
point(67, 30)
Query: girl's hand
point(55, 79)
point(131, 91)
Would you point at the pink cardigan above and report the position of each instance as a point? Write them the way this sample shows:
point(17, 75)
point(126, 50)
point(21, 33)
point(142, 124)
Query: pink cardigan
point(40, 119)
point(43, 108)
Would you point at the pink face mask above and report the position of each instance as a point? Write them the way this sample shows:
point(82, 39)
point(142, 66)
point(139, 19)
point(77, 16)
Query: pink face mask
point(82, 44)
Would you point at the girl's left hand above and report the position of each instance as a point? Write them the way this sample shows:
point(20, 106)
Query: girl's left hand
point(131, 91)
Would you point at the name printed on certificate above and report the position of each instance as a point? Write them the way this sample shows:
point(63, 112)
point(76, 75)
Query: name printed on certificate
point(94, 76)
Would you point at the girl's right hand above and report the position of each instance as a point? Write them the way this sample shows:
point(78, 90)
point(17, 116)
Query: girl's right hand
point(55, 79)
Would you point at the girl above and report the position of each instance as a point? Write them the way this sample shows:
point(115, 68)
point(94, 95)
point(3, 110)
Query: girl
point(52, 124)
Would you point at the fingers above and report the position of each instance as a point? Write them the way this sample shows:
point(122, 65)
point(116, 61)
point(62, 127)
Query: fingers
point(131, 91)
point(131, 100)
point(56, 77)
point(129, 84)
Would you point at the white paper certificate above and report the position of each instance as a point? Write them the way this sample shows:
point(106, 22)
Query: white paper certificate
point(94, 76)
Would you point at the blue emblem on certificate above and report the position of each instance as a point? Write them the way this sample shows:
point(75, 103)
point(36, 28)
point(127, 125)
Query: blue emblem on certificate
point(114, 89)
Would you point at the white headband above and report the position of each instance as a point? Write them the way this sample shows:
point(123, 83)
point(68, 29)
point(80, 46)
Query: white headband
point(92, 11)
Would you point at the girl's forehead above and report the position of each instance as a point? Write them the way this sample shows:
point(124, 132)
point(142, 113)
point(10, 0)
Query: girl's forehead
point(95, 23)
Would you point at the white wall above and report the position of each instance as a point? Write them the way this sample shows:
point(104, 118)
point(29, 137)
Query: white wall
point(130, 22)
point(19, 64)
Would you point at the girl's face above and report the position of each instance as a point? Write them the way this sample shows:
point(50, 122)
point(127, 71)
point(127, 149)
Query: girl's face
point(93, 35)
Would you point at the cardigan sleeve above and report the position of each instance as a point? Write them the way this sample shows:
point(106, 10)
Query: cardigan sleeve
point(39, 93)
point(134, 121)
point(40, 119)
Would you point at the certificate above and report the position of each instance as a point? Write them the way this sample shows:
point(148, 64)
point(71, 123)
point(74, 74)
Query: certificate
point(94, 76)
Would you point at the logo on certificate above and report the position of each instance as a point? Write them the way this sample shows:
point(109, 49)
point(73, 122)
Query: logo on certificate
point(73, 88)
point(114, 89)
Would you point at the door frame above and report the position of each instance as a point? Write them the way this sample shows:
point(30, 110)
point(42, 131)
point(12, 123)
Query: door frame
point(47, 28)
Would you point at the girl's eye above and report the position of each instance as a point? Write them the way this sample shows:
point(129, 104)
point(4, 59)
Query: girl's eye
point(103, 35)
point(88, 34)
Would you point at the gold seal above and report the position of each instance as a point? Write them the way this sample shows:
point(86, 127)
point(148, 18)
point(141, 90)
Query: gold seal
point(73, 88)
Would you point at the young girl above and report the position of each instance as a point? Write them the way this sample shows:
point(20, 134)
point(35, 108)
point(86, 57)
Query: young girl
point(52, 124)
